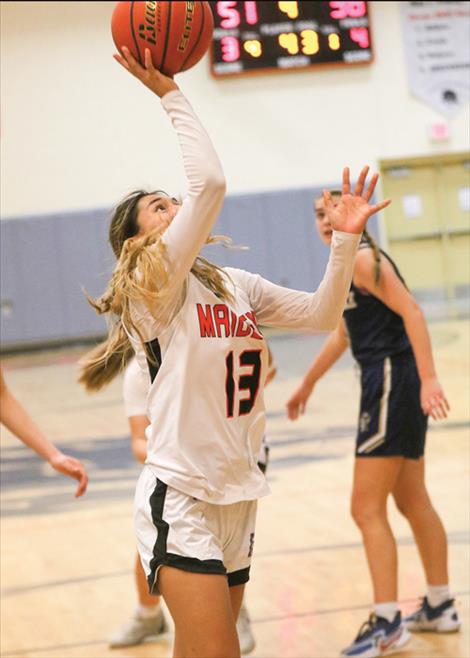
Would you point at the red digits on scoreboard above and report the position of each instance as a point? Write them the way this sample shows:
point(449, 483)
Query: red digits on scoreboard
point(231, 16)
point(251, 13)
point(347, 9)
point(230, 49)
point(360, 35)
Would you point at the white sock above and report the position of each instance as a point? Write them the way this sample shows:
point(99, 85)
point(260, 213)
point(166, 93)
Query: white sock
point(437, 594)
point(386, 610)
point(148, 611)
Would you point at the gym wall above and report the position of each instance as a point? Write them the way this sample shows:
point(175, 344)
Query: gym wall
point(77, 134)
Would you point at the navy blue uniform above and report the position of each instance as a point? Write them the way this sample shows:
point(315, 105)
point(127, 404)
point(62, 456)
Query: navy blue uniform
point(391, 421)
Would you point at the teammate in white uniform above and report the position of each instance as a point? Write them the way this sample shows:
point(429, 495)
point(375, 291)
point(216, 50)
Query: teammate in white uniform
point(148, 620)
point(195, 503)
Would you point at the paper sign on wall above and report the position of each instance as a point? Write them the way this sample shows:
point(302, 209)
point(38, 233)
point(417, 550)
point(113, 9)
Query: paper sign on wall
point(464, 198)
point(412, 205)
point(437, 50)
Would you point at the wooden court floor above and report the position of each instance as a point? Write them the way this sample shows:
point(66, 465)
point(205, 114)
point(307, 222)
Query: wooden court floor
point(66, 564)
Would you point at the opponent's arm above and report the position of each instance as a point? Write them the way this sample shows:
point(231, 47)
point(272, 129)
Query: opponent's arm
point(333, 348)
point(394, 294)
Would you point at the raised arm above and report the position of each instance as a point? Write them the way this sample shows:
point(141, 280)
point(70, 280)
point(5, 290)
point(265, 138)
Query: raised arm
point(193, 223)
point(321, 310)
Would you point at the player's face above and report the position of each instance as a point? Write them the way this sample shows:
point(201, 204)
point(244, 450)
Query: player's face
point(156, 211)
point(321, 220)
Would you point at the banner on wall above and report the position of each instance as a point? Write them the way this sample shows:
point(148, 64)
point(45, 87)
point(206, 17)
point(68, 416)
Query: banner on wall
point(437, 51)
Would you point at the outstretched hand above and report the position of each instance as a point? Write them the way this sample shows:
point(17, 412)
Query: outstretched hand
point(149, 76)
point(353, 210)
point(73, 468)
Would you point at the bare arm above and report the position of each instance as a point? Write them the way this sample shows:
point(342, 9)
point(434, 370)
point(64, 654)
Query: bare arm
point(333, 348)
point(138, 425)
point(394, 294)
point(15, 417)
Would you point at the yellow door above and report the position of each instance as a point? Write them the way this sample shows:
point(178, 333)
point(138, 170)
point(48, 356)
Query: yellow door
point(428, 223)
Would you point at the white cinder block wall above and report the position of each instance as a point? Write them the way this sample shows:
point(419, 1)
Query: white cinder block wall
point(77, 132)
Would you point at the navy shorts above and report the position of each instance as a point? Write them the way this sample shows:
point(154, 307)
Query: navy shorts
point(391, 421)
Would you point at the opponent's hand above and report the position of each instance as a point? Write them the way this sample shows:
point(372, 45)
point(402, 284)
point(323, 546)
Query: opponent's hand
point(353, 210)
point(73, 468)
point(297, 402)
point(433, 400)
point(149, 76)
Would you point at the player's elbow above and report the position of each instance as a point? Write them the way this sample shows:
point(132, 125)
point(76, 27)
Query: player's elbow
point(215, 184)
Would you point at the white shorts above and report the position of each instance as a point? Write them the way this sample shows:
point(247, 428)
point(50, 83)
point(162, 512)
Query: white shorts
point(177, 530)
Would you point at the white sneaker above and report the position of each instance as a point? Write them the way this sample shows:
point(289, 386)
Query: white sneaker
point(138, 630)
point(441, 619)
point(245, 634)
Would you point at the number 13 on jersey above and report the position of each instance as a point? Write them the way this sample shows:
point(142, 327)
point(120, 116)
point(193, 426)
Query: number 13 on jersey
point(249, 366)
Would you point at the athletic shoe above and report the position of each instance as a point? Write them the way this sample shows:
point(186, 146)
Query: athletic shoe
point(441, 619)
point(138, 630)
point(245, 634)
point(378, 637)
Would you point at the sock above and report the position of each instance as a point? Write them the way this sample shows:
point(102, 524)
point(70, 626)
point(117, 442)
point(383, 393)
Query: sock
point(148, 611)
point(437, 594)
point(386, 610)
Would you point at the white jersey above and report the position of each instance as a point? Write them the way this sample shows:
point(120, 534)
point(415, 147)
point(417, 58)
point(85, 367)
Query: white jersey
point(206, 401)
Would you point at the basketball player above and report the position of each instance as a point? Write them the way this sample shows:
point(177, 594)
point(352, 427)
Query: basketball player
point(388, 336)
point(15, 417)
point(195, 502)
point(148, 620)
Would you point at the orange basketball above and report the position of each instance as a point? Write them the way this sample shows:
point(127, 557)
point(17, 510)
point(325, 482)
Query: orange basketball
point(177, 33)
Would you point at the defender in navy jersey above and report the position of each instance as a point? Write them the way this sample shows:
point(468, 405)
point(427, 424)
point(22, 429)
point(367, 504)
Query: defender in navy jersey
point(387, 333)
point(195, 502)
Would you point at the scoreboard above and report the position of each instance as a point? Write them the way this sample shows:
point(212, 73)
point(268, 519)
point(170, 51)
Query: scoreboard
point(257, 37)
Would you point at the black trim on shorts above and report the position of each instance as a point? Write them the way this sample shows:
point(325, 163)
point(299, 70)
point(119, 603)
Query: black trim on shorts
point(160, 555)
point(239, 577)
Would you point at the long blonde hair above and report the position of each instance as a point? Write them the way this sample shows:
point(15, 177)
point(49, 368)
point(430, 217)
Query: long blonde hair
point(140, 274)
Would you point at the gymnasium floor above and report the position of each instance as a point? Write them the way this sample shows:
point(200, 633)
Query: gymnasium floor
point(66, 576)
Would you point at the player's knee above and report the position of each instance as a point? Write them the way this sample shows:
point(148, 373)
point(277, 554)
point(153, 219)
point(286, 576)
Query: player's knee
point(364, 512)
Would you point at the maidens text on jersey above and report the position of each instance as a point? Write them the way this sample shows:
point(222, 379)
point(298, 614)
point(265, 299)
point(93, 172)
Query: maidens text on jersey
point(217, 321)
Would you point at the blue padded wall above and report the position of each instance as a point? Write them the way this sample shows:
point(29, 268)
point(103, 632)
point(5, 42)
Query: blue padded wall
point(46, 260)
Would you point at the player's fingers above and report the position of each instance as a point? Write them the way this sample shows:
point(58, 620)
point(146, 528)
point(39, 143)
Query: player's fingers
point(361, 180)
point(134, 66)
point(327, 199)
point(293, 410)
point(82, 485)
point(371, 187)
point(378, 207)
point(302, 407)
point(148, 61)
point(121, 61)
point(346, 182)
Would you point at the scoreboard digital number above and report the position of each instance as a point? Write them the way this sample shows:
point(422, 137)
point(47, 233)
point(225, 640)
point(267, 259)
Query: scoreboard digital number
point(257, 37)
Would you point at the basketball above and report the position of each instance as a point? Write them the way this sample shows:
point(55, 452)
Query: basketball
point(176, 33)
